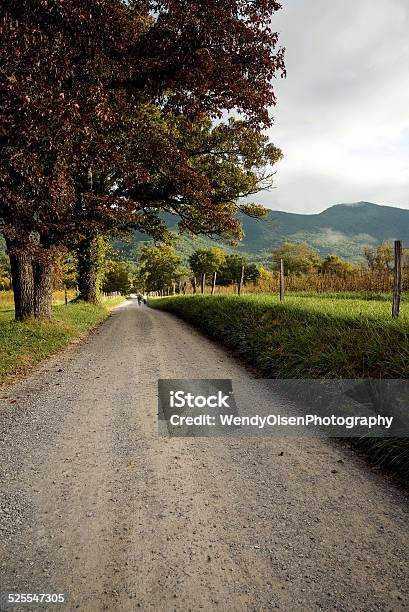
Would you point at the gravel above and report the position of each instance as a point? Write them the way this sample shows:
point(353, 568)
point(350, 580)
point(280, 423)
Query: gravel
point(96, 505)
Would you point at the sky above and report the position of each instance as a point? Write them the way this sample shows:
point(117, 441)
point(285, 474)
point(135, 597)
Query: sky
point(342, 116)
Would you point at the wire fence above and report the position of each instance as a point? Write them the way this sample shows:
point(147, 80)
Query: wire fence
point(360, 280)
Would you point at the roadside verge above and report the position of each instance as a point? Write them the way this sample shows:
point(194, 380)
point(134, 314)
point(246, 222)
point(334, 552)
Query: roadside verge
point(292, 341)
point(24, 345)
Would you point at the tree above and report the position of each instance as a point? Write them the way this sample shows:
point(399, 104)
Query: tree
point(265, 277)
point(380, 258)
point(56, 62)
point(91, 251)
point(65, 275)
point(369, 254)
point(251, 273)
point(138, 278)
point(206, 261)
point(207, 56)
point(332, 264)
point(182, 275)
point(298, 258)
point(159, 264)
point(116, 278)
point(200, 172)
point(70, 76)
point(230, 271)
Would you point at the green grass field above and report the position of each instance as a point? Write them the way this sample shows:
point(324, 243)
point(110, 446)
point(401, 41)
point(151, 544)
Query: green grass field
point(307, 337)
point(310, 336)
point(22, 345)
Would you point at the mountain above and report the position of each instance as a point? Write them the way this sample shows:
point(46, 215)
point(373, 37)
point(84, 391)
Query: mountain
point(343, 229)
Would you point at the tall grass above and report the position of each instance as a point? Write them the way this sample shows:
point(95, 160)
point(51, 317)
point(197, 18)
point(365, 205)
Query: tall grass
point(356, 281)
point(307, 337)
point(7, 299)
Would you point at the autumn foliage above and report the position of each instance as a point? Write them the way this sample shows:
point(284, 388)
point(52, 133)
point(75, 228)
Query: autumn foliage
point(102, 100)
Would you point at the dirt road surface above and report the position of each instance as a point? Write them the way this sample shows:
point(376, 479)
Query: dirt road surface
point(96, 505)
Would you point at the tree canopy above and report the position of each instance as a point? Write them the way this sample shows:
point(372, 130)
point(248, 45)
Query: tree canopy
point(298, 258)
point(159, 266)
point(107, 109)
point(116, 278)
point(333, 264)
point(231, 269)
point(73, 77)
point(380, 258)
point(207, 261)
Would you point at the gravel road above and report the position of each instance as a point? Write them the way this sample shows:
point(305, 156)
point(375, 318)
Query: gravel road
point(96, 505)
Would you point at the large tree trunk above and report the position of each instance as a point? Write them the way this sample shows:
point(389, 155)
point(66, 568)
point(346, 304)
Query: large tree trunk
point(32, 280)
point(88, 264)
point(43, 288)
point(21, 265)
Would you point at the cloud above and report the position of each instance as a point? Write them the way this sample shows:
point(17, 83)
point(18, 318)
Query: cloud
point(342, 116)
point(332, 236)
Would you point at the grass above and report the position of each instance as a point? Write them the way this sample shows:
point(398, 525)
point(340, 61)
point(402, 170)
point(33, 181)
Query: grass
point(311, 336)
point(307, 337)
point(23, 345)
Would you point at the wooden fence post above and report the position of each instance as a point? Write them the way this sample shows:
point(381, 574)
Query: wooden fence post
point(241, 281)
point(397, 279)
point(203, 283)
point(214, 282)
point(281, 280)
point(65, 295)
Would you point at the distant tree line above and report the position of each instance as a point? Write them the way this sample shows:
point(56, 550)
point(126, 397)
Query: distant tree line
point(160, 266)
point(161, 269)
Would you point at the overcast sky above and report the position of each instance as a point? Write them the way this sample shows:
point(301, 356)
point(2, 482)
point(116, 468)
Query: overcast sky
point(342, 118)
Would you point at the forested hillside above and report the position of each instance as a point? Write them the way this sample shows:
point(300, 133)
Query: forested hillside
point(344, 229)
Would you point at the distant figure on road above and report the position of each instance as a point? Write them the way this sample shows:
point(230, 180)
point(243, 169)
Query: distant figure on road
point(139, 299)
point(145, 298)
